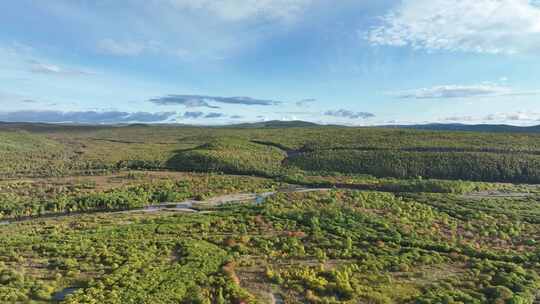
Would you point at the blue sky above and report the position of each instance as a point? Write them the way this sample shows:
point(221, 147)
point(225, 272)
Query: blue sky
point(354, 62)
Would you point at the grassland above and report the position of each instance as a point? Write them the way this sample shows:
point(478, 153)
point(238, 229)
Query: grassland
point(393, 216)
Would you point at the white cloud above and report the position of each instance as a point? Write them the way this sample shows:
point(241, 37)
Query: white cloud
point(122, 48)
point(236, 10)
point(517, 118)
point(481, 26)
point(189, 30)
point(465, 118)
point(461, 91)
point(135, 48)
point(47, 68)
point(305, 102)
point(341, 113)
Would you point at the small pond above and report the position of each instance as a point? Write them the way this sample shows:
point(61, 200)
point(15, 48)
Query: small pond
point(62, 294)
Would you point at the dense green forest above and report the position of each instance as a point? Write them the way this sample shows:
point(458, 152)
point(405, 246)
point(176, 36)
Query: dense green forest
point(499, 157)
point(339, 246)
point(267, 214)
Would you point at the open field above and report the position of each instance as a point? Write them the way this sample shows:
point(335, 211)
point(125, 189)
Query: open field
point(268, 215)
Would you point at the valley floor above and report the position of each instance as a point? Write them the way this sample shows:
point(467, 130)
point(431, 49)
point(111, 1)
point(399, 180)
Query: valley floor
point(259, 240)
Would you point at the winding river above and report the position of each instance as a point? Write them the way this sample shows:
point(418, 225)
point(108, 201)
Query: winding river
point(183, 206)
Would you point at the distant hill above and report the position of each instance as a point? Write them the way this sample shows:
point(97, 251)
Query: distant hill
point(471, 128)
point(276, 124)
point(51, 127)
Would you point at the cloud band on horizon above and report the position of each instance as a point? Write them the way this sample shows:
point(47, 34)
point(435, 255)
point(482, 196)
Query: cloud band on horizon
point(349, 114)
point(460, 91)
point(90, 117)
point(194, 101)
